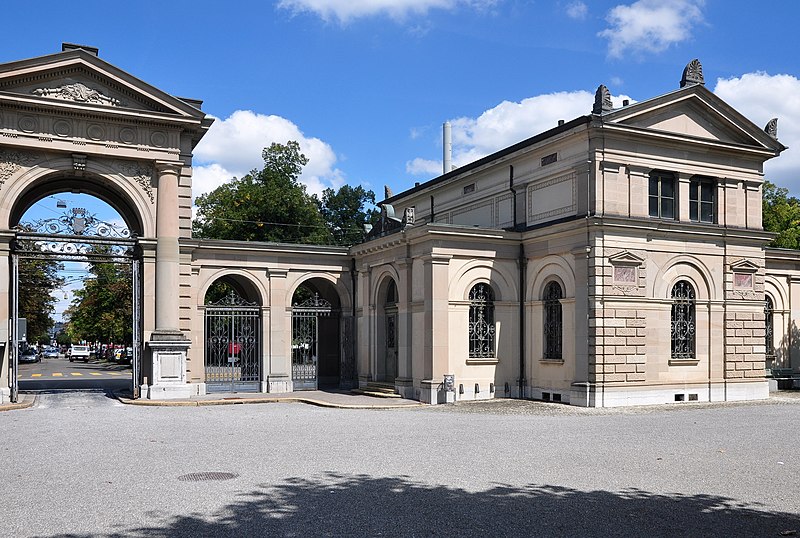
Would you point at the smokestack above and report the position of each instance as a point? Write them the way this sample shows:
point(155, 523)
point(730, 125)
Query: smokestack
point(447, 165)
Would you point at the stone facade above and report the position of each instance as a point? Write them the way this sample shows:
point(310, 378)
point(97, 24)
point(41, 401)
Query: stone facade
point(616, 259)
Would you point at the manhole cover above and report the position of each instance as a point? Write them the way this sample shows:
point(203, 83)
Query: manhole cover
point(202, 477)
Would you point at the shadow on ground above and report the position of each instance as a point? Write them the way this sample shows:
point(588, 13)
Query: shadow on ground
point(337, 505)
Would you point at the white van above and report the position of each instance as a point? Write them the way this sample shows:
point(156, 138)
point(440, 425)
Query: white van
point(79, 353)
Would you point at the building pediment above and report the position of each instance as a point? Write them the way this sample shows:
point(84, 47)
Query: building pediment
point(625, 257)
point(694, 112)
point(76, 78)
point(744, 266)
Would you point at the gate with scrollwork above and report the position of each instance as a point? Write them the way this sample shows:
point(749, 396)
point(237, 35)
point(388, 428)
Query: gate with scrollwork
point(233, 345)
point(76, 236)
point(306, 318)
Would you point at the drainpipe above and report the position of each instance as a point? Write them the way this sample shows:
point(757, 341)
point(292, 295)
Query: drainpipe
point(433, 217)
point(523, 264)
point(354, 380)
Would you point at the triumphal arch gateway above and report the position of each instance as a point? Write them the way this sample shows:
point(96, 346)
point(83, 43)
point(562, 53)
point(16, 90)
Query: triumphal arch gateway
point(615, 259)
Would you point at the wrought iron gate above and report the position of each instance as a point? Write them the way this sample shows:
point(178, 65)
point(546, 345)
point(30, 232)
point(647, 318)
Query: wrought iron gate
point(77, 235)
point(305, 341)
point(233, 348)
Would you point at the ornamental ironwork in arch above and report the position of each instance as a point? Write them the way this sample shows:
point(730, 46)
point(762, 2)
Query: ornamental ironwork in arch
point(553, 322)
point(75, 234)
point(683, 321)
point(481, 321)
point(233, 299)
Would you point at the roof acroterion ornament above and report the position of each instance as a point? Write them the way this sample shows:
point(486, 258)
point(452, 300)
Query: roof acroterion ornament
point(772, 128)
point(602, 100)
point(692, 74)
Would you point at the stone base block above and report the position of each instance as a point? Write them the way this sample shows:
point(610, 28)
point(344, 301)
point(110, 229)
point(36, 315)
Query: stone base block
point(429, 392)
point(5, 395)
point(595, 396)
point(277, 384)
point(405, 388)
point(167, 391)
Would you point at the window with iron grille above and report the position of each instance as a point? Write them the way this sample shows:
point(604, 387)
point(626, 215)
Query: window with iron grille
point(481, 321)
point(769, 311)
point(683, 321)
point(553, 326)
point(661, 199)
point(701, 199)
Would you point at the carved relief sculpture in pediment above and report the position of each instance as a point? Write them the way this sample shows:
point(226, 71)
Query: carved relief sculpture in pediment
point(77, 92)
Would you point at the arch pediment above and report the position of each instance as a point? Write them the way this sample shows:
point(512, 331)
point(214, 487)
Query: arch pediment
point(81, 79)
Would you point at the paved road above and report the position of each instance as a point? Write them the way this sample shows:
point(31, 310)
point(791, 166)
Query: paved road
point(59, 373)
point(82, 464)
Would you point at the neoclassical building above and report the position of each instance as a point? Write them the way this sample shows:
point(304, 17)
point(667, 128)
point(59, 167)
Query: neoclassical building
point(615, 259)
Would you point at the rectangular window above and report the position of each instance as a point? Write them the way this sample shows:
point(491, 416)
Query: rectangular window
point(701, 200)
point(662, 195)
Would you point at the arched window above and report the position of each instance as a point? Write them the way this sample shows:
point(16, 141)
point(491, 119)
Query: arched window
point(553, 327)
point(683, 321)
point(481, 321)
point(769, 311)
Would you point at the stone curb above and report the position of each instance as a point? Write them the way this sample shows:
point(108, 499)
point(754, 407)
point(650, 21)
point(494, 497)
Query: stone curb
point(28, 402)
point(244, 401)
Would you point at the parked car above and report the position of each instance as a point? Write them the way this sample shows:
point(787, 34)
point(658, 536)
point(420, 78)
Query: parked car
point(79, 353)
point(29, 355)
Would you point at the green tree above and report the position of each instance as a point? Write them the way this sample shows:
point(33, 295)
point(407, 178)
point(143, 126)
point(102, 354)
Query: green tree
point(265, 205)
point(781, 214)
point(37, 279)
point(345, 212)
point(102, 309)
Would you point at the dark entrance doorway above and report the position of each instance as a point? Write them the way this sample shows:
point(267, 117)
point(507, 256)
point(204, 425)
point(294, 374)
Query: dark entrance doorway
point(316, 338)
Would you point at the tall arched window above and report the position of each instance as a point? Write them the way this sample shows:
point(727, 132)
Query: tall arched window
point(769, 332)
point(481, 321)
point(683, 321)
point(553, 327)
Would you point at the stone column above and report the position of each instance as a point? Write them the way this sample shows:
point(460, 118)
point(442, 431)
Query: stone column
point(404, 383)
point(279, 378)
point(5, 314)
point(436, 330)
point(168, 344)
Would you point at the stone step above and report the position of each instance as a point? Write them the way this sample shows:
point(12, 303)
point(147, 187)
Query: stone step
point(377, 389)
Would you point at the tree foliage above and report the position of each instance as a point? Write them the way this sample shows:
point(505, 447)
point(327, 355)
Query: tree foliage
point(102, 310)
point(37, 279)
point(265, 205)
point(781, 214)
point(345, 213)
point(272, 205)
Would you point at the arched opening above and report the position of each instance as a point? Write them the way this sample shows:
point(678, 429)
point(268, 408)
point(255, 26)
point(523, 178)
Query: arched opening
point(232, 336)
point(75, 293)
point(386, 365)
point(316, 336)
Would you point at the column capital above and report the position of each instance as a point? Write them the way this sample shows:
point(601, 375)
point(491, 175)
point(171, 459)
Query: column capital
point(168, 167)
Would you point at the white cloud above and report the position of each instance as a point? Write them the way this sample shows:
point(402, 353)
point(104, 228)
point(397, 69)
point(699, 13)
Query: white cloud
point(761, 97)
point(577, 10)
point(233, 146)
point(651, 25)
point(424, 167)
point(506, 124)
point(347, 10)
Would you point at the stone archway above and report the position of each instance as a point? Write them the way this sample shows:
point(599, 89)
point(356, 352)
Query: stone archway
point(71, 121)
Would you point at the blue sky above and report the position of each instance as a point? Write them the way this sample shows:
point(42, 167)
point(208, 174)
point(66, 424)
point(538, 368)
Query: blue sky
point(365, 85)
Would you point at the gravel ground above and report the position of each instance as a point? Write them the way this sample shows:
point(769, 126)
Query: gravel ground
point(84, 465)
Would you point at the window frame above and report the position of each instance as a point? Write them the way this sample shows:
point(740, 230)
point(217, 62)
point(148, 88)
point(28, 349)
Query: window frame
point(769, 327)
point(481, 328)
point(661, 178)
point(553, 329)
point(696, 201)
point(683, 322)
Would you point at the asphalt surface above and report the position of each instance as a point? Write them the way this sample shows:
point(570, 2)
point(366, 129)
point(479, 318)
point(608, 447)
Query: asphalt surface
point(84, 464)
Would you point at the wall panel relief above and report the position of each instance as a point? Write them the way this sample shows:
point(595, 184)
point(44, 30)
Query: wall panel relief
point(551, 198)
